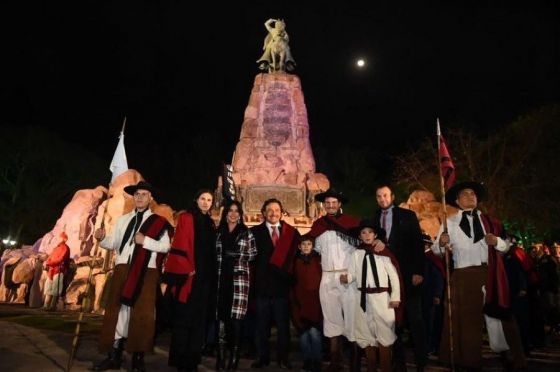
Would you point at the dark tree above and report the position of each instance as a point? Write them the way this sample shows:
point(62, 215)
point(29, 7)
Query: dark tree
point(39, 174)
point(518, 163)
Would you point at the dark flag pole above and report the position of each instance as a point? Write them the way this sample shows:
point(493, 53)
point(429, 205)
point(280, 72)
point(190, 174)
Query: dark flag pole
point(447, 177)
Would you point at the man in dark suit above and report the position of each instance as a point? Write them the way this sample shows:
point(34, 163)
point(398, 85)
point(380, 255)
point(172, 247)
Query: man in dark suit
point(404, 239)
point(276, 243)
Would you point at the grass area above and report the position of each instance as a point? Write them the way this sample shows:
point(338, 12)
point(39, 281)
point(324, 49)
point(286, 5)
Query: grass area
point(55, 323)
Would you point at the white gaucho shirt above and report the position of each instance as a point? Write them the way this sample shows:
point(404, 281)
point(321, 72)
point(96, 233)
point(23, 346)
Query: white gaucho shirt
point(113, 241)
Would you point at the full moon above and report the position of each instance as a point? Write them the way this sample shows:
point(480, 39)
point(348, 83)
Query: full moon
point(360, 63)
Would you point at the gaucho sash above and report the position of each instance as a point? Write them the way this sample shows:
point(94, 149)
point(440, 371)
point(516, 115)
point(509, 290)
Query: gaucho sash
point(341, 223)
point(180, 261)
point(399, 311)
point(154, 227)
point(286, 248)
point(496, 302)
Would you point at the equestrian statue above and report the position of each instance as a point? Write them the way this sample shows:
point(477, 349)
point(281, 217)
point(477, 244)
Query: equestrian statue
point(277, 56)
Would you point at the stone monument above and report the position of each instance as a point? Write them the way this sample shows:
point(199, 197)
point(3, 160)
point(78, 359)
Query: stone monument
point(273, 157)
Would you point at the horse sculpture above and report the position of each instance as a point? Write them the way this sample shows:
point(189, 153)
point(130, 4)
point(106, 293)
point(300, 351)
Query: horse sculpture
point(277, 56)
point(278, 48)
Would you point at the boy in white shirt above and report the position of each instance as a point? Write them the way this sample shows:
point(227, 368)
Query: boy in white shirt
point(378, 293)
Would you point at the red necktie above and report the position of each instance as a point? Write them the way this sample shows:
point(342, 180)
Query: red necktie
point(384, 219)
point(274, 236)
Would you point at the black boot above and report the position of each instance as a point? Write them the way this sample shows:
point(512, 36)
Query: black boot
point(138, 362)
point(335, 354)
point(316, 365)
point(114, 358)
point(356, 358)
point(220, 357)
point(233, 359)
point(235, 342)
point(220, 352)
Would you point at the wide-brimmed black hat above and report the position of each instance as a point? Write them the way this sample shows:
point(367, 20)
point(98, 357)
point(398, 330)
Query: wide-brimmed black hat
point(478, 188)
point(131, 189)
point(331, 193)
point(367, 222)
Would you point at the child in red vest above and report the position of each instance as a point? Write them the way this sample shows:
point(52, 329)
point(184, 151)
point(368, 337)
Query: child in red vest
point(307, 315)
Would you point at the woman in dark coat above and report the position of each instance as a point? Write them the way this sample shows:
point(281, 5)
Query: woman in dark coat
point(235, 247)
point(190, 272)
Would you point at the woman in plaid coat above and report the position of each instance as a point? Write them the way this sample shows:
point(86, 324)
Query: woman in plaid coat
point(235, 247)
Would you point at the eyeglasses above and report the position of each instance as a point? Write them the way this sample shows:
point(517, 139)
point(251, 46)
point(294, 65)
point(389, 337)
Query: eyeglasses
point(141, 194)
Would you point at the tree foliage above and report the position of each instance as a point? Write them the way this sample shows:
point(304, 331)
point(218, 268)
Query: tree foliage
point(39, 174)
point(351, 170)
point(518, 164)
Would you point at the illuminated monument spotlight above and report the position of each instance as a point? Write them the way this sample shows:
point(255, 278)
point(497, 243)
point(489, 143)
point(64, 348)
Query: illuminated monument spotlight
point(273, 158)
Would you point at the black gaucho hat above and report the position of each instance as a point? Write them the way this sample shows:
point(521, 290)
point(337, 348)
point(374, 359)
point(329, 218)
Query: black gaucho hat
point(478, 188)
point(131, 189)
point(331, 193)
point(369, 223)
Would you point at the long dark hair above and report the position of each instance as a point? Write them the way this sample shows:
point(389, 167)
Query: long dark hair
point(194, 207)
point(227, 206)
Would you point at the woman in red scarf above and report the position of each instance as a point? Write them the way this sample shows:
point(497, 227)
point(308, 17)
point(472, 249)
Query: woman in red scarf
point(190, 273)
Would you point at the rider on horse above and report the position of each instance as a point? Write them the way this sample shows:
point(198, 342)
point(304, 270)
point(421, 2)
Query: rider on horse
point(277, 55)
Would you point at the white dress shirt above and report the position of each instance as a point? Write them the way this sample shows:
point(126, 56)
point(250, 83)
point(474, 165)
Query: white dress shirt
point(269, 226)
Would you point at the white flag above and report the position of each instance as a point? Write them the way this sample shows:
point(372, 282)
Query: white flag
point(119, 165)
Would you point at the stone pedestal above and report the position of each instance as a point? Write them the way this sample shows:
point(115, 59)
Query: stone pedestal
point(273, 158)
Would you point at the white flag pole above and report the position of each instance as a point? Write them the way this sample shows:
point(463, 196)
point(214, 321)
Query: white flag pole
point(118, 166)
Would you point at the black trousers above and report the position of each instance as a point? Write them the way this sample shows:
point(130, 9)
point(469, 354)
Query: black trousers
point(269, 308)
point(187, 339)
point(415, 321)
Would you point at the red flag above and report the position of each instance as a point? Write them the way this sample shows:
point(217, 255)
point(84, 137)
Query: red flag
point(446, 164)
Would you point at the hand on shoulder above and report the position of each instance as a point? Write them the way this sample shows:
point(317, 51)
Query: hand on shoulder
point(378, 245)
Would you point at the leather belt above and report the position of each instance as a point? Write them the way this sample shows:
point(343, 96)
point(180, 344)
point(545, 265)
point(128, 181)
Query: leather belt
point(374, 290)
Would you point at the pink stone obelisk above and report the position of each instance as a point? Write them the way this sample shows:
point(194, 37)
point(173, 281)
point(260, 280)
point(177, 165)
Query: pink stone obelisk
point(273, 157)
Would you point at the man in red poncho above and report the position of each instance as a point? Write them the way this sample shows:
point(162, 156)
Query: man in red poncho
point(335, 243)
point(57, 265)
point(477, 243)
point(140, 239)
point(276, 242)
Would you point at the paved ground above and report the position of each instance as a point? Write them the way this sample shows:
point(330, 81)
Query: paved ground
point(32, 340)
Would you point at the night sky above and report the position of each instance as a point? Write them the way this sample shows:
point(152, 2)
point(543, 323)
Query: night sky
point(77, 68)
